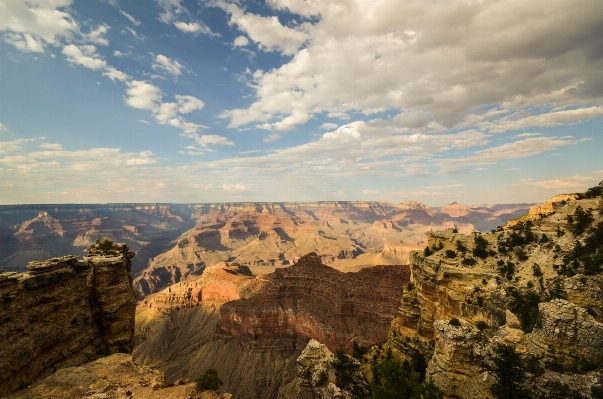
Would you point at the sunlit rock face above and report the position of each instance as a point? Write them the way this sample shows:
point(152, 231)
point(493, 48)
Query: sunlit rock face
point(311, 300)
point(64, 312)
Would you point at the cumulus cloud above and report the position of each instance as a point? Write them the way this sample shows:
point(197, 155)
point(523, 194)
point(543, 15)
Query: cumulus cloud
point(25, 42)
point(207, 139)
point(546, 119)
point(440, 65)
point(240, 41)
point(166, 65)
point(272, 137)
point(84, 55)
point(267, 32)
point(195, 28)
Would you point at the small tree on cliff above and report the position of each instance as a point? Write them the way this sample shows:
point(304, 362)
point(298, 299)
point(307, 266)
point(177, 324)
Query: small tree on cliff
point(507, 369)
point(209, 380)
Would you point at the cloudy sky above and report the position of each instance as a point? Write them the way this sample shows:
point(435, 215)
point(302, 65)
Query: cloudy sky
point(299, 100)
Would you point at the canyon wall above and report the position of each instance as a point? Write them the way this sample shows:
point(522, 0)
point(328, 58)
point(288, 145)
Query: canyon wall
point(64, 312)
point(310, 300)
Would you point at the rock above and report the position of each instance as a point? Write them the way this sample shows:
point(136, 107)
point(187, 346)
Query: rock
point(311, 300)
point(512, 320)
point(316, 377)
point(64, 312)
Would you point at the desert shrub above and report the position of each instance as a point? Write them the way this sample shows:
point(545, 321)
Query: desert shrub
point(557, 290)
point(344, 368)
point(359, 351)
point(521, 254)
point(507, 369)
point(440, 245)
point(593, 192)
point(544, 239)
point(468, 261)
point(427, 251)
point(450, 254)
point(507, 270)
point(394, 379)
point(580, 220)
point(104, 244)
point(596, 392)
point(209, 380)
point(481, 247)
point(536, 270)
point(322, 378)
point(460, 247)
point(525, 306)
point(455, 322)
point(481, 325)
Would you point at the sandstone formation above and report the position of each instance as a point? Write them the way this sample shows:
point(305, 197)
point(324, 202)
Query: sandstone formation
point(529, 260)
point(316, 376)
point(64, 312)
point(112, 377)
point(311, 300)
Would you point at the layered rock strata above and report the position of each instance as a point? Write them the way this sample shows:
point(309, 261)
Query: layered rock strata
point(316, 377)
point(64, 312)
point(311, 300)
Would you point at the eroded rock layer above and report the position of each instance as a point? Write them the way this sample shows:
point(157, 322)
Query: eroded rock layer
point(311, 300)
point(64, 312)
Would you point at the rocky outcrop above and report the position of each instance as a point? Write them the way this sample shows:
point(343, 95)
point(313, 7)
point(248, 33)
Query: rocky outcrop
point(316, 376)
point(113, 377)
point(64, 312)
point(311, 300)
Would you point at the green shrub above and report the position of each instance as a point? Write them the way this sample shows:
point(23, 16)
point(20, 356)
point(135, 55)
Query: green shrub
point(481, 325)
point(455, 322)
point(209, 380)
point(525, 306)
point(427, 251)
point(481, 247)
point(536, 270)
point(507, 368)
point(580, 220)
point(450, 254)
point(460, 247)
point(468, 261)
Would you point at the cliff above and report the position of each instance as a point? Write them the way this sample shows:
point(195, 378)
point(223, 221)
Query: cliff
point(311, 300)
point(535, 284)
point(64, 312)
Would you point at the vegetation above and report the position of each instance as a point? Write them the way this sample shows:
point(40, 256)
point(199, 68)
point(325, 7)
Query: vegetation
point(104, 244)
point(481, 325)
point(468, 261)
point(344, 368)
point(507, 270)
point(460, 247)
point(525, 306)
point(455, 322)
point(359, 351)
point(536, 270)
point(507, 369)
point(427, 251)
point(580, 220)
point(593, 192)
point(450, 254)
point(393, 379)
point(209, 380)
point(481, 247)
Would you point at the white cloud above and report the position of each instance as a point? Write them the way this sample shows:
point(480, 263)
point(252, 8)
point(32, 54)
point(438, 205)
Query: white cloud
point(577, 182)
point(328, 126)
point(515, 150)
point(114, 74)
point(369, 192)
point(205, 140)
point(50, 146)
point(272, 137)
point(164, 64)
point(440, 65)
point(3, 128)
point(84, 55)
point(7, 147)
point(188, 104)
point(171, 8)
point(24, 42)
point(96, 36)
point(240, 41)
point(268, 32)
point(195, 28)
point(143, 95)
point(131, 18)
point(39, 19)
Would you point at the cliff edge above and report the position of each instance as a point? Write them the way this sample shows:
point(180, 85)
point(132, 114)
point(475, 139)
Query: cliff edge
point(65, 312)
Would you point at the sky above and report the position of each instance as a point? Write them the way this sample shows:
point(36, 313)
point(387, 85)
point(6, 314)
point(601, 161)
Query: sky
point(190, 101)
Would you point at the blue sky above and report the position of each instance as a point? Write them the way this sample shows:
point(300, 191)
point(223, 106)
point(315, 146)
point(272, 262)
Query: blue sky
point(299, 100)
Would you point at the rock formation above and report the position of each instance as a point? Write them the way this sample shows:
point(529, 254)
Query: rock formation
point(476, 280)
point(316, 376)
point(64, 312)
point(113, 377)
point(311, 300)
